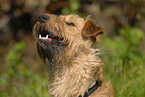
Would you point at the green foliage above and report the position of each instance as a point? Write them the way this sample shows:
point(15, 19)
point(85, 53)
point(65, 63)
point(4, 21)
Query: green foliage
point(124, 62)
point(14, 62)
point(18, 80)
point(74, 6)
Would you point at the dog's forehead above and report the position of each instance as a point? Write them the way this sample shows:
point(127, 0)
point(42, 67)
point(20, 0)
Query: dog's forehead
point(75, 19)
point(72, 18)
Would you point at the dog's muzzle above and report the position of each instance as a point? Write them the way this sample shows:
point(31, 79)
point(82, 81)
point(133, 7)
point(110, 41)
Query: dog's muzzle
point(47, 36)
point(47, 43)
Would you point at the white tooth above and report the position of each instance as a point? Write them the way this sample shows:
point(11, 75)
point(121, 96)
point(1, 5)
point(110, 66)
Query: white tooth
point(39, 36)
point(46, 36)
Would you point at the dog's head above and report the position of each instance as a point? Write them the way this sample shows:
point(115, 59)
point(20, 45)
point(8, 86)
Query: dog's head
point(54, 33)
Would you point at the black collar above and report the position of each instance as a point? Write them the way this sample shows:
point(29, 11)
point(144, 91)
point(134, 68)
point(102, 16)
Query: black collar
point(92, 89)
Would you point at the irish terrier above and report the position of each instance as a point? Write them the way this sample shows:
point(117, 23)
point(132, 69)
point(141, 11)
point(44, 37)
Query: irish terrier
point(64, 43)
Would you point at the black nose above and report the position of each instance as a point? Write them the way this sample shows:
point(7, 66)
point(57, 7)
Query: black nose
point(43, 18)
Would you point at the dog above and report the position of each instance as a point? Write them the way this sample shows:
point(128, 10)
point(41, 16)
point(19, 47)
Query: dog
point(64, 43)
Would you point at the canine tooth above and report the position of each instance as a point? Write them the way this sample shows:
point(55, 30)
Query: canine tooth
point(46, 36)
point(39, 36)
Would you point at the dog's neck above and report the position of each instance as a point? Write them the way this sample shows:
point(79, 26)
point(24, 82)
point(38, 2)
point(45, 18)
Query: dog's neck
point(74, 73)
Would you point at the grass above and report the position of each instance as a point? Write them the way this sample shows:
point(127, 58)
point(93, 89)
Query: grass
point(124, 68)
point(124, 63)
point(18, 80)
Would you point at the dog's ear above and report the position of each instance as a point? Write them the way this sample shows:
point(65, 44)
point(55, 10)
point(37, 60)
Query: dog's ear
point(92, 31)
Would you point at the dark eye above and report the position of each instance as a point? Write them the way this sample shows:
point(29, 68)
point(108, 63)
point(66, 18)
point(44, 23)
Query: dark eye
point(70, 24)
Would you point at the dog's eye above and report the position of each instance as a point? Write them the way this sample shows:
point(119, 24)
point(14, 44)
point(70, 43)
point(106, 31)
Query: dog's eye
point(70, 24)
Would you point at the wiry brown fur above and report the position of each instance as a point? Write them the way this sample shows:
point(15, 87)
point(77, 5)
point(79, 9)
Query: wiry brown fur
point(77, 66)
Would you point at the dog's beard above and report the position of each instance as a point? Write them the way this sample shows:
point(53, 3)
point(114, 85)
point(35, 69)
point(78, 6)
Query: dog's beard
point(46, 50)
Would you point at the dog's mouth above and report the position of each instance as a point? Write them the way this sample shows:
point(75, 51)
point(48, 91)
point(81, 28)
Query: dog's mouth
point(48, 43)
point(48, 37)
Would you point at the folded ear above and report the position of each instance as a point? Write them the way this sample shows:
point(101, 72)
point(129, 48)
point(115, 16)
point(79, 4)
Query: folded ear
point(90, 30)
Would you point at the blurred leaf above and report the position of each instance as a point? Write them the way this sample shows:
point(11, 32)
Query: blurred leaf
point(74, 5)
point(132, 35)
point(17, 51)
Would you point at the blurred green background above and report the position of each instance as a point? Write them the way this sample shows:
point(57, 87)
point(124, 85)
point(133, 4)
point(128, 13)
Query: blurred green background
point(23, 74)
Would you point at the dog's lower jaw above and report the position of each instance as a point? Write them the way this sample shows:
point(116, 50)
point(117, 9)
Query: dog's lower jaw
point(72, 78)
